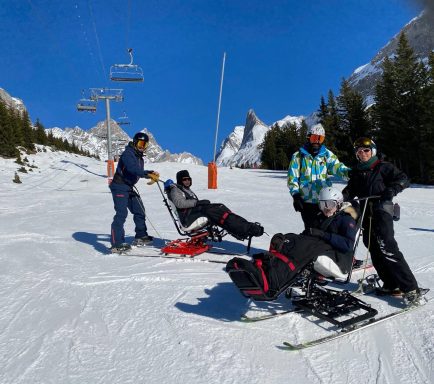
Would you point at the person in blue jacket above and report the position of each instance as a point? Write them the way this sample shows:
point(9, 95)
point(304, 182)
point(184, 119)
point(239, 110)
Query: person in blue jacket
point(128, 172)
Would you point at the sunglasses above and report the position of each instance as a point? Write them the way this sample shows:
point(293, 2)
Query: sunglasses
point(327, 204)
point(186, 179)
point(316, 139)
point(365, 150)
point(142, 144)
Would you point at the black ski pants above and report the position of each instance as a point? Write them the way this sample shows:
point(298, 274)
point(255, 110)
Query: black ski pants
point(309, 214)
point(219, 214)
point(387, 259)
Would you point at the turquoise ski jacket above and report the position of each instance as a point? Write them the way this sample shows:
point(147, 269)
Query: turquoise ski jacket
point(307, 174)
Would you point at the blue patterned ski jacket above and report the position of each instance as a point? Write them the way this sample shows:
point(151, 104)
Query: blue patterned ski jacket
point(307, 175)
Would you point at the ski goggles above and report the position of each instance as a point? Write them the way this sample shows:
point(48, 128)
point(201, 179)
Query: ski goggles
point(186, 179)
point(142, 144)
point(316, 139)
point(361, 150)
point(327, 204)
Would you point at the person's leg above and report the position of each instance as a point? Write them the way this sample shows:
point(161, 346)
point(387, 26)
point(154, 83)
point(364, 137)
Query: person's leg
point(137, 208)
point(120, 200)
point(392, 258)
point(236, 225)
point(309, 214)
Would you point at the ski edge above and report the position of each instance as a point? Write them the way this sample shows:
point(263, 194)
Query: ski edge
point(254, 319)
point(311, 343)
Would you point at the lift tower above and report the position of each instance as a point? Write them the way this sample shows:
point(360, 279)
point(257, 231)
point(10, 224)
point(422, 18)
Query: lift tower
point(108, 94)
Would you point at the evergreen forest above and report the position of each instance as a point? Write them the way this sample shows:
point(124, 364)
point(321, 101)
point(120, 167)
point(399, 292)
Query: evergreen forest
point(400, 121)
point(17, 131)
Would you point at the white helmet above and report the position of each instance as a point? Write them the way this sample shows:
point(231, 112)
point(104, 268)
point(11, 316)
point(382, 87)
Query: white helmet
point(330, 197)
point(316, 129)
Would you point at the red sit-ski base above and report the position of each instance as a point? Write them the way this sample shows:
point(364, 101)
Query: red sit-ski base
point(189, 247)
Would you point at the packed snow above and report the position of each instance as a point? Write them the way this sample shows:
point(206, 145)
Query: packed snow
point(74, 313)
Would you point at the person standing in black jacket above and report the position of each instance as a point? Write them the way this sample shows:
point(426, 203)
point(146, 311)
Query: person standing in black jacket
point(374, 177)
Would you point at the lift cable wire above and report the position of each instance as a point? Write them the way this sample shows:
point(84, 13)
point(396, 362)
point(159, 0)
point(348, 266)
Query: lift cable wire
point(97, 39)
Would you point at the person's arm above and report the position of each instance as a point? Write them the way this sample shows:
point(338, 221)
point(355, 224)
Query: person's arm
point(344, 241)
point(178, 198)
point(293, 180)
point(395, 180)
point(132, 165)
point(335, 167)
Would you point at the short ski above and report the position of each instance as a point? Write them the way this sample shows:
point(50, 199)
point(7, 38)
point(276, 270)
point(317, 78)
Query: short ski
point(254, 319)
point(362, 267)
point(336, 335)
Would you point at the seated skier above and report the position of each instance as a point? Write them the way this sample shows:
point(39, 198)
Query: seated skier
point(329, 244)
point(190, 208)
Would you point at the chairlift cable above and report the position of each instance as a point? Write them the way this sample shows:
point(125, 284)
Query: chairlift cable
point(127, 36)
point(97, 38)
point(87, 40)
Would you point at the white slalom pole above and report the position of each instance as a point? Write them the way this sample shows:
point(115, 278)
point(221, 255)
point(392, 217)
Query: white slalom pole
point(220, 103)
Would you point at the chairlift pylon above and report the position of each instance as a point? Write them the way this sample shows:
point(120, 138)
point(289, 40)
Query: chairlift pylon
point(86, 104)
point(123, 120)
point(126, 72)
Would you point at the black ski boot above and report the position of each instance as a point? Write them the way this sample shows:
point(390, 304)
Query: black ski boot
point(142, 241)
point(120, 248)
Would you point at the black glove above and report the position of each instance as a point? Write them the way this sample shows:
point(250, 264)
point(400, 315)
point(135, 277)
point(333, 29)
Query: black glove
point(298, 202)
point(316, 233)
point(202, 202)
point(388, 194)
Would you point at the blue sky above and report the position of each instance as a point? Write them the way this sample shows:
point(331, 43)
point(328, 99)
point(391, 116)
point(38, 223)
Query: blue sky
point(281, 57)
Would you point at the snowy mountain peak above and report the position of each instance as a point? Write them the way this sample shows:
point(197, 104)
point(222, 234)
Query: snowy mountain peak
point(12, 102)
point(420, 35)
point(230, 146)
point(95, 141)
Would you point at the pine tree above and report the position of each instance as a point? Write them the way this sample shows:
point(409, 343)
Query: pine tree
point(400, 110)
point(353, 121)
point(40, 135)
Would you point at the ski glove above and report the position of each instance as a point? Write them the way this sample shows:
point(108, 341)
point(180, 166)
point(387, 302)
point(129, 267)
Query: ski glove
point(298, 202)
point(168, 183)
point(154, 176)
point(388, 194)
point(316, 233)
point(202, 202)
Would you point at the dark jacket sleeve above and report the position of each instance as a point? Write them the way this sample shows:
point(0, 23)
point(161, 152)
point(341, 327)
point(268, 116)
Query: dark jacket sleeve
point(344, 241)
point(395, 179)
point(132, 165)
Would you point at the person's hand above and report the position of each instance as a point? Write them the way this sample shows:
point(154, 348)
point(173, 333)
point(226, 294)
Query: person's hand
point(154, 176)
point(387, 195)
point(202, 202)
point(298, 202)
point(168, 183)
point(316, 233)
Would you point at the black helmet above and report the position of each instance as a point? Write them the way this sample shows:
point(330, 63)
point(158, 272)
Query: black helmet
point(181, 175)
point(140, 138)
point(365, 142)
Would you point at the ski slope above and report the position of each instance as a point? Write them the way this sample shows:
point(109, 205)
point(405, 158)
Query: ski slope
point(73, 313)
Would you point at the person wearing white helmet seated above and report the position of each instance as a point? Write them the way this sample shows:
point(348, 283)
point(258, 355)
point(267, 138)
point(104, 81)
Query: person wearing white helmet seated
point(309, 172)
point(328, 245)
point(336, 225)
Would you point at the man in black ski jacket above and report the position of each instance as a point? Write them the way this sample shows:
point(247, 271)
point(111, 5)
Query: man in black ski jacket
point(128, 172)
point(189, 208)
point(374, 177)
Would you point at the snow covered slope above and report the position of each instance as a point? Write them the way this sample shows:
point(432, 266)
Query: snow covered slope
point(72, 313)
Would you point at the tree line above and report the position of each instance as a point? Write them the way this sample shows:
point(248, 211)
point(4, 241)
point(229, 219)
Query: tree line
point(16, 131)
point(400, 120)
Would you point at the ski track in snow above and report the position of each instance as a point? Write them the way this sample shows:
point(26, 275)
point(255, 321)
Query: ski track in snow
point(72, 313)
